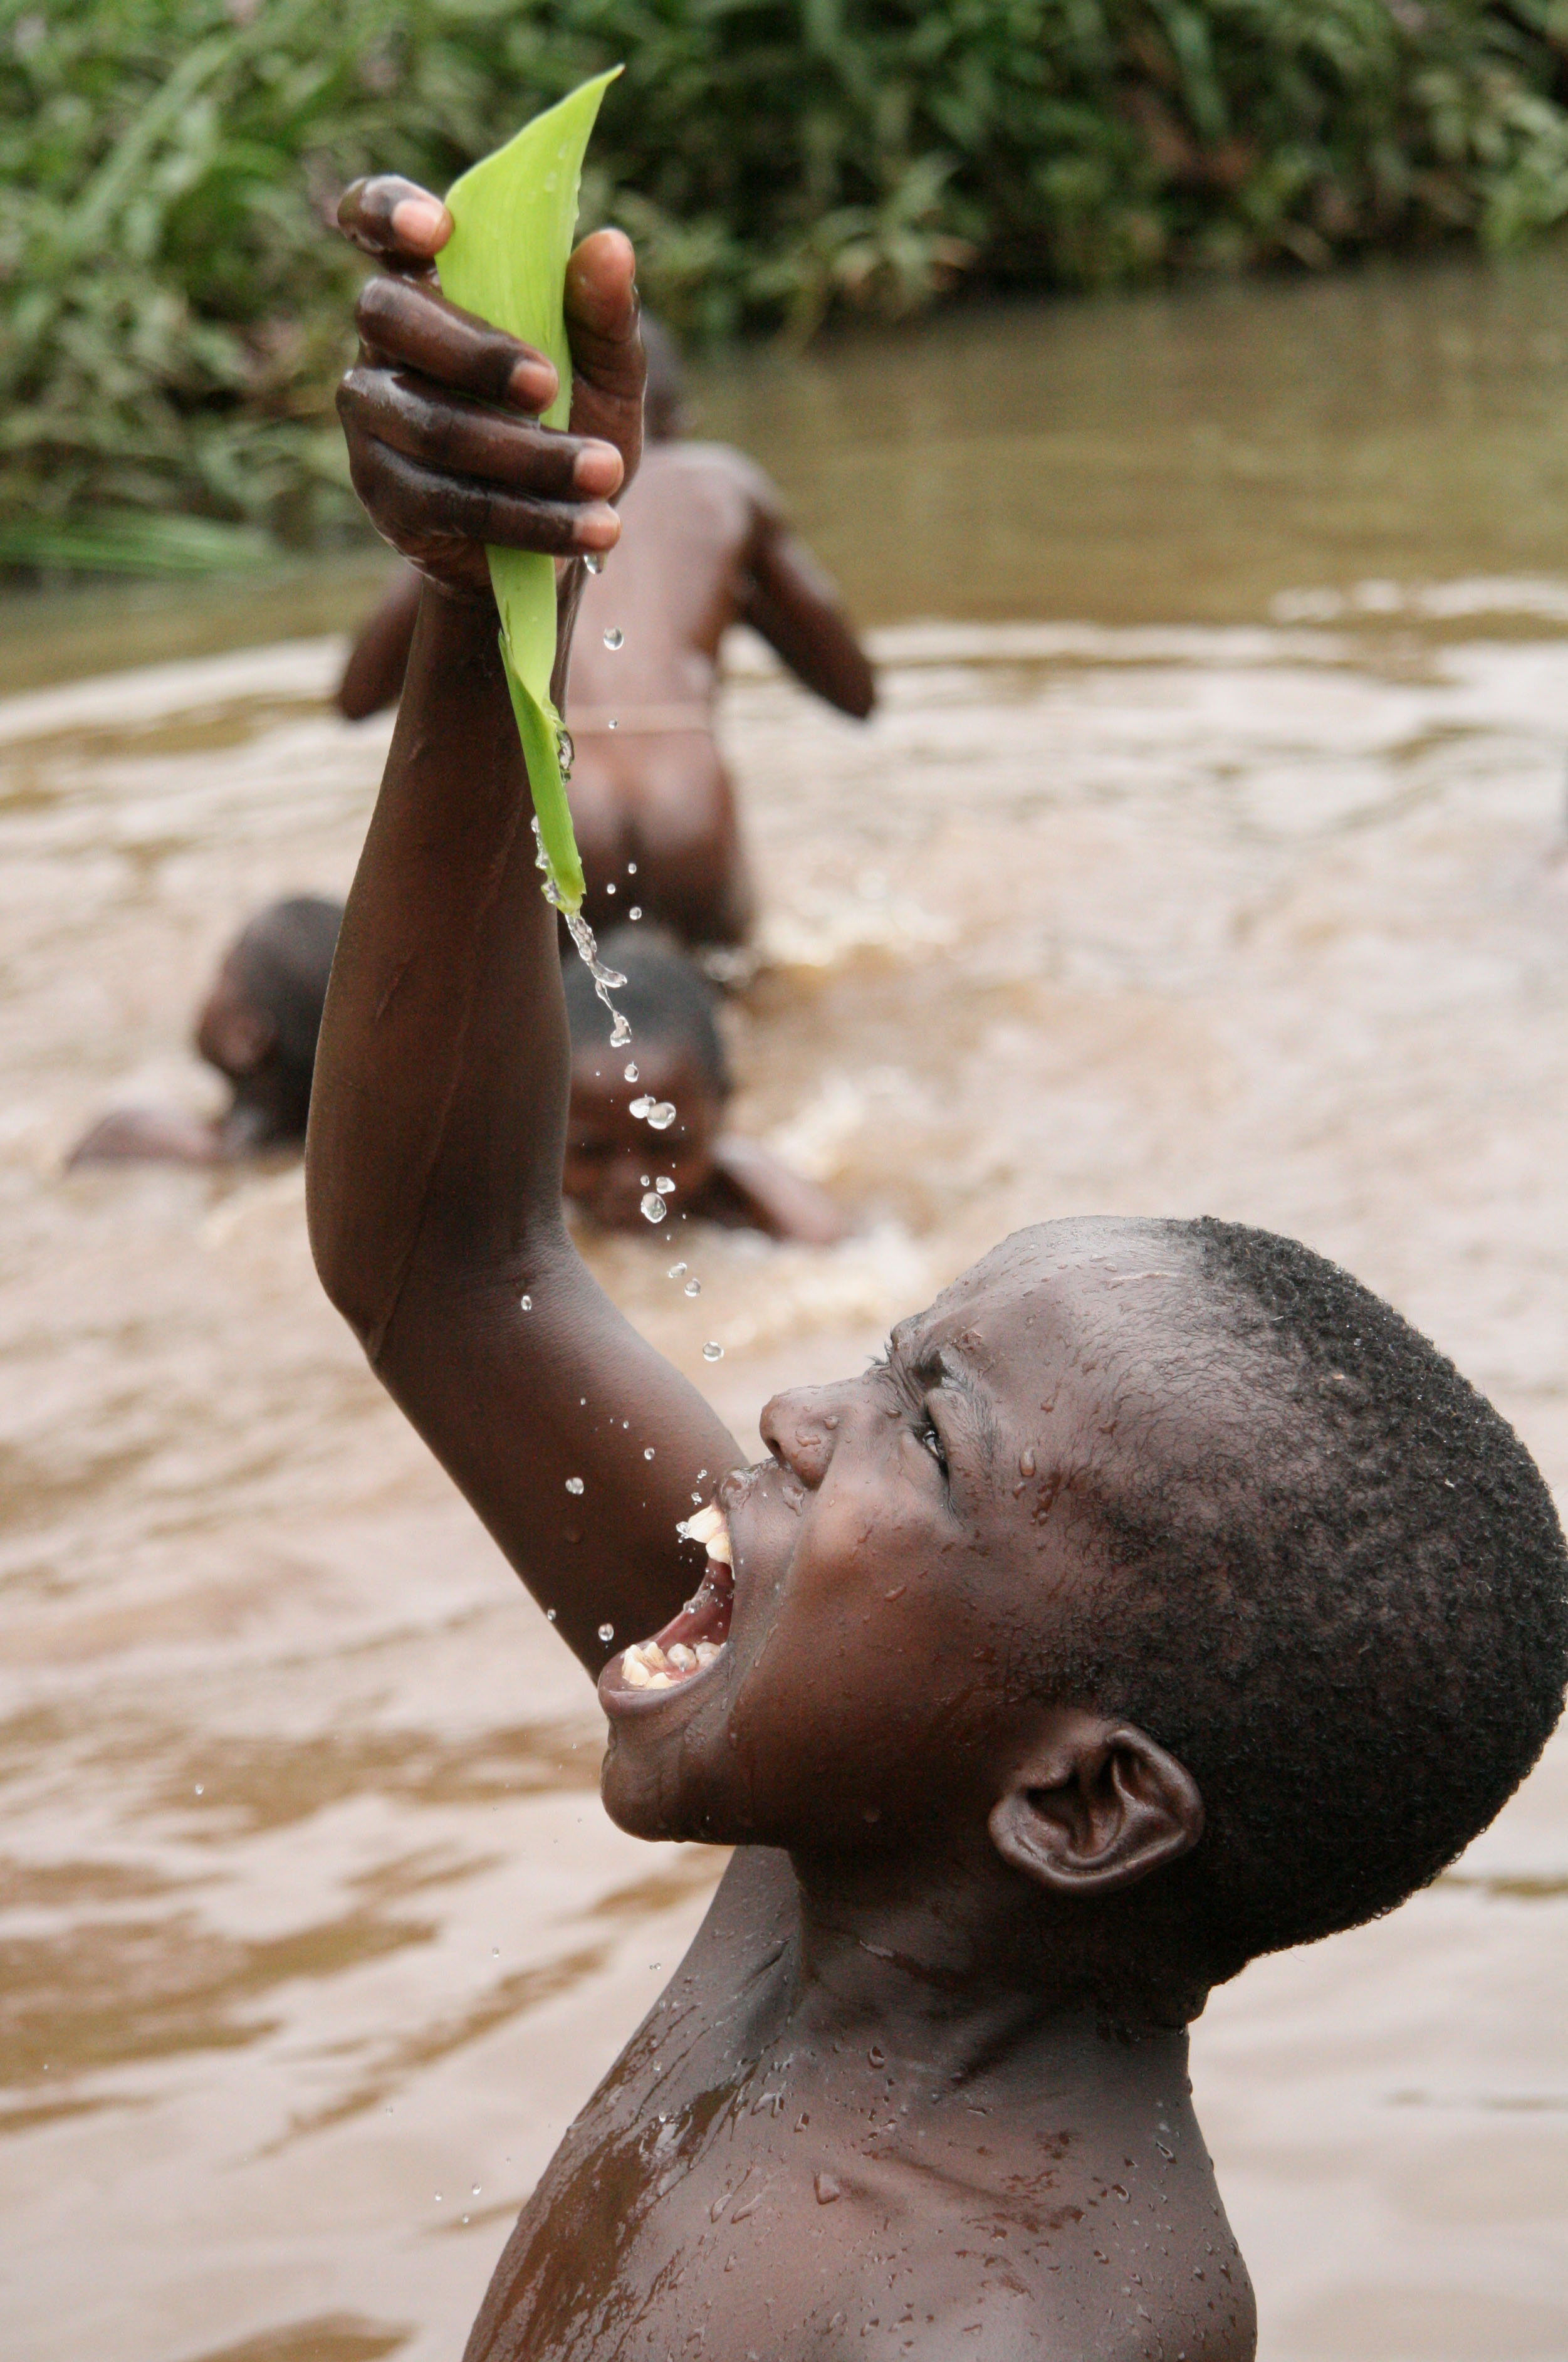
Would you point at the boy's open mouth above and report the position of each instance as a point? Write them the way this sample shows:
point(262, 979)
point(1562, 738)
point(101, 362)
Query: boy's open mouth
point(695, 1639)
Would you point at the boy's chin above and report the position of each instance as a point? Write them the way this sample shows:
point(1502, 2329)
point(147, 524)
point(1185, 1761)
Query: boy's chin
point(645, 1800)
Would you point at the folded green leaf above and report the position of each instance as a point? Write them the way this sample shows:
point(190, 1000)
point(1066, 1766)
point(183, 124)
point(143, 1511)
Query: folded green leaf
point(514, 215)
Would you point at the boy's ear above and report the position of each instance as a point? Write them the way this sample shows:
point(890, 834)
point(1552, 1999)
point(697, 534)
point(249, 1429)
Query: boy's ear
point(1096, 1805)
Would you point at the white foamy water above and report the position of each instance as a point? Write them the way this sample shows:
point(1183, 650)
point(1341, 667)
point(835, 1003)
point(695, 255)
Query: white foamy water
point(310, 1912)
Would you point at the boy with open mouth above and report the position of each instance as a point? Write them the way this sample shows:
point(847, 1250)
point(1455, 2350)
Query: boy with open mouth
point(1160, 1599)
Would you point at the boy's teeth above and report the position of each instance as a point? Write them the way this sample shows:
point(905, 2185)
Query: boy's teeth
point(646, 1666)
point(709, 1526)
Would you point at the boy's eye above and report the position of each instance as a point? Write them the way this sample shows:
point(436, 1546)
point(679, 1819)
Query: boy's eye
point(932, 1442)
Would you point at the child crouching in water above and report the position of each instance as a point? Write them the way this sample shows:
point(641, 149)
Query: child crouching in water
point(1159, 1600)
point(612, 1153)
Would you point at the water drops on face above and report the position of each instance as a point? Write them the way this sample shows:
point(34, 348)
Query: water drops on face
point(607, 1632)
point(676, 1270)
point(661, 1117)
point(653, 1206)
point(574, 1484)
point(692, 1287)
point(614, 636)
point(647, 1451)
point(525, 1304)
point(712, 1350)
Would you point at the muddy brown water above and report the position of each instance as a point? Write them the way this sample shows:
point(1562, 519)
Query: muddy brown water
point(1207, 854)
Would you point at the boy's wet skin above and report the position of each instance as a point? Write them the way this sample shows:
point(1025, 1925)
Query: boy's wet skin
point(920, 2085)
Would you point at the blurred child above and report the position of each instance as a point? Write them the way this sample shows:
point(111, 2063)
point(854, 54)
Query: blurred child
point(1160, 1599)
point(705, 546)
point(612, 1150)
point(258, 1027)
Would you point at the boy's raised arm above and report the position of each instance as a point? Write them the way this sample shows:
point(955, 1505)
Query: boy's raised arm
point(438, 1114)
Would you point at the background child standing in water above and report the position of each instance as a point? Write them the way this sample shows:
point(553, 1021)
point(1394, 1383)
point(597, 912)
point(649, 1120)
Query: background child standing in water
point(705, 546)
point(1160, 1600)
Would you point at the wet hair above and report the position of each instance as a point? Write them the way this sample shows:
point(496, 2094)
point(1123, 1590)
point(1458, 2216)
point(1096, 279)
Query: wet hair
point(666, 999)
point(282, 963)
point(664, 391)
point(1350, 1623)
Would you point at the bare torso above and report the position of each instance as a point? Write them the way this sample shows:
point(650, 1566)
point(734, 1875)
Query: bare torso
point(734, 2190)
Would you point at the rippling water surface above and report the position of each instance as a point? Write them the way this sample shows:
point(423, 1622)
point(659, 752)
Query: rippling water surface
point(1207, 854)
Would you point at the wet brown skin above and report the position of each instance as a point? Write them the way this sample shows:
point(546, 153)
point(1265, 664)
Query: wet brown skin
point(890, 2031)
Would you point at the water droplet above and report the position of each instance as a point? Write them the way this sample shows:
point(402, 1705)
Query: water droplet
point(475, 2191)
point(665, 1186)
point(653, 1206)
point(525, 1303)
point(198, 1787)
point(612, 723)
point(635, 912)
point(610, 887)
point(566, 753)
point(631, 1074)
point(692, 1287)
point(594, 561)
point(631, 868)
point(607, 1632)
point(621, 1034)
point(648, 1452)
point(1026, 1461)
point(465, 2218)
point(877, 2055)
point(438, 2198)
point(676, 1270)
point(615, 637)
point(495, 1955)
point(712, 1350)
point(643, 1106)
point(574, 1484)
point(550, 1614)
point(661, 1117)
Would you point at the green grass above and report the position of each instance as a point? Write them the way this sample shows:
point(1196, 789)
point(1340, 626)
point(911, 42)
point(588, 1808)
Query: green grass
point(175, 304)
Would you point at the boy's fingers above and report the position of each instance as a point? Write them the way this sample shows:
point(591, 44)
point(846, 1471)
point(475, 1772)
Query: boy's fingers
point(608, 364)
point(395, 219)
point(512, 453)
point(412, 503)
point(419, 329)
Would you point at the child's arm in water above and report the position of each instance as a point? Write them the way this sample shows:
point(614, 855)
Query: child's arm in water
point(788, 598)
point(751, 1185)
point(435, 1154)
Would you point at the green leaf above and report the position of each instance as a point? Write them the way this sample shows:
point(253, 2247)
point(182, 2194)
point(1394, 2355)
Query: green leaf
point(514, 215)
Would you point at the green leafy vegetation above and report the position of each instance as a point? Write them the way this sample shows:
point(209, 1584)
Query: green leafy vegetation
point(175, 303)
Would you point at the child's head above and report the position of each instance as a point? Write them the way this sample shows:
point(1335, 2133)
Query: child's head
point(1164, 1584)
point(260, 1021)
point(679, 1061)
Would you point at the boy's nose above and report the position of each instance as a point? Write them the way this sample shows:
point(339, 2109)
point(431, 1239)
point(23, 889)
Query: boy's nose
point(800, 1429)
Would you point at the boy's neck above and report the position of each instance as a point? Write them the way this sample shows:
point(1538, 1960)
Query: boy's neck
point(935, 1975)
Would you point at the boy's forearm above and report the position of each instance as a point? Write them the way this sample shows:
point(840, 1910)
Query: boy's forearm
point(423, 1138)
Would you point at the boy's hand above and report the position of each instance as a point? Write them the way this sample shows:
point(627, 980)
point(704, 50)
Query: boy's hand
point(441, 410)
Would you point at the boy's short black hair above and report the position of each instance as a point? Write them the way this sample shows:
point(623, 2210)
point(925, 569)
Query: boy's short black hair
point(1350, 1625)
point(666, 999)
point(282, 962)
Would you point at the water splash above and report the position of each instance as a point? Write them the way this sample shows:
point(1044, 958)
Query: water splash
point(606, 980)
